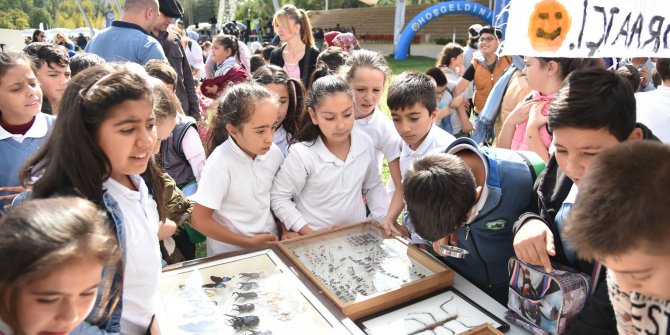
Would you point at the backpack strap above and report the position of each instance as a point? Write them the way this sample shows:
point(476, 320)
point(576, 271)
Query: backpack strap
point(535, 163)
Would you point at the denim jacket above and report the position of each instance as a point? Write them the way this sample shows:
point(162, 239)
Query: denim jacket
point(113, 325)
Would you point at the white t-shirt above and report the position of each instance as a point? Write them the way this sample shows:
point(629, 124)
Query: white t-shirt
point(142, 267)
point(315, 188)
point(653, 110)
point(280, 140)
point(238, 187)
point(385, 138)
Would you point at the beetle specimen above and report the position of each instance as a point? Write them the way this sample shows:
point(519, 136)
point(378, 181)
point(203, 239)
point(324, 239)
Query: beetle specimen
point(248, 285)
point(241, 322)
point(217, 282)
point(245, 308)
point(244, 295)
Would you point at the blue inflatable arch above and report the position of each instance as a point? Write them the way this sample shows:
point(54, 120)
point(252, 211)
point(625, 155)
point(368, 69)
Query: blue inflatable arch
point(434, 12)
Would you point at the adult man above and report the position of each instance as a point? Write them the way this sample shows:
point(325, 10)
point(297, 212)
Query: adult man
point(174, 51)
point(485, 68)
point(653, 106)
point(128, 40)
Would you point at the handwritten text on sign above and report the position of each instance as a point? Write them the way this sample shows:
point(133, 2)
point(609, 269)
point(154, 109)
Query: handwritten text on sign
point(588, 28)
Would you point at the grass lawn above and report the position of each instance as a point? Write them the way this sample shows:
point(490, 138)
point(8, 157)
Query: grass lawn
point(414, 63)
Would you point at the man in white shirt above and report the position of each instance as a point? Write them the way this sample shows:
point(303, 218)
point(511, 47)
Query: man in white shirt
point(653, 107)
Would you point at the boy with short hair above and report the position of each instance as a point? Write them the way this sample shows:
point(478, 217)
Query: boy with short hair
point(593, 110)
point(469, 197)
point(626, 228)
point(52, 68)
point(411, 98)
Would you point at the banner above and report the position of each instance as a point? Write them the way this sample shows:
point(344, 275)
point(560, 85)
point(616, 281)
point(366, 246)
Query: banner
point(588, 28)
point(399, 20)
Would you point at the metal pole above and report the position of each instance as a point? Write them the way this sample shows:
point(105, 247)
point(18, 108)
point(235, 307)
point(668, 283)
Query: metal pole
point(83, 12)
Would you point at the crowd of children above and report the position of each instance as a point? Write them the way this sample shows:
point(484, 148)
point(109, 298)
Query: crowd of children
point(104, 176)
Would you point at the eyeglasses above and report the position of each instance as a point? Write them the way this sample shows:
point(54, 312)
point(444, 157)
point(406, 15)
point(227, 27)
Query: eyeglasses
point(487, 39)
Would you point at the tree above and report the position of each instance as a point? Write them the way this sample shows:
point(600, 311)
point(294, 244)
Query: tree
point(40, 15)
point(14, 19)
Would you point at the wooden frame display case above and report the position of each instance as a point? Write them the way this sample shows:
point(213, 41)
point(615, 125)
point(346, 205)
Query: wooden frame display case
point(249, 293)
point(363, 272)
point(444, 312)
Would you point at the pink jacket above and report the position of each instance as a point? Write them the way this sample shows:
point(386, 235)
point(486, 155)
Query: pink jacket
point(520, 141)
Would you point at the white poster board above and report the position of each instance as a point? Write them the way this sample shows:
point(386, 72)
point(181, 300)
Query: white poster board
point(11, 40)
point(588, 28)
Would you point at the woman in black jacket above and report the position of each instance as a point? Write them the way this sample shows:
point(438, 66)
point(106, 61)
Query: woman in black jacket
point(297, 55)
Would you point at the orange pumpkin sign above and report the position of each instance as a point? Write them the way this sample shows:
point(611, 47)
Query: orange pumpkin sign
point(548, 26)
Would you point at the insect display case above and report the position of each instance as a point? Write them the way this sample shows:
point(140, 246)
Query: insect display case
point(363, 272)
point(250, 293)
point(444, 312)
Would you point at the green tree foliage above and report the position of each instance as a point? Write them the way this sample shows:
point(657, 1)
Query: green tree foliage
point(40, 15)
point(14, 19)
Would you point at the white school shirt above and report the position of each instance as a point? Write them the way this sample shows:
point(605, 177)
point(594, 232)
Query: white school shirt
point(142, 267)
point(237, 188)
point(385, 138)
point(436, 141)
point(315, 188)
point(280, 140)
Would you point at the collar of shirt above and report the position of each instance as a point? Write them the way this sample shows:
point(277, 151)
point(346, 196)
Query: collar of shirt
point(128, 193)
point(239, 152)
point(356, 148)
point(483, 196)
point(124, 24)
point(368, 119)
point(38, 130)
point(424, 147)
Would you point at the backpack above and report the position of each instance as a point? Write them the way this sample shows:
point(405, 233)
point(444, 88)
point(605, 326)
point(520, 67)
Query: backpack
point(545, 303)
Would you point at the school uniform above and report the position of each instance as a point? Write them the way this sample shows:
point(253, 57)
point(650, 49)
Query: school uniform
point(142, 267)
point(280, 140)
point(385, 138)
point(436, 141)
point(15, 149)
point(315, 188)
point(237, 188)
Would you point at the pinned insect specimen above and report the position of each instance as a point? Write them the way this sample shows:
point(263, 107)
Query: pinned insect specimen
point(248, 285)
point(251, 275)
point(241, 322)
point(253, 332)
point(244, 296)
point(430, 327)
point(217, 282)
point(245, 308)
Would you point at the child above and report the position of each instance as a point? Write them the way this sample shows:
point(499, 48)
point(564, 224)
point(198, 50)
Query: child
point(255, 63)
point(476, 194)
point(291, 102)
point(52, 252)
point(22, 127)
point(367, 74)
point(102, 142)
point(173, 207)
point(411, 98)
point(232, 204)
point(626, 229)
point(319, 185)
point(525, 127)
point(83, 60)
point(181, 154)
point(593, 110)
point(226, 58)
point(52, 65)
